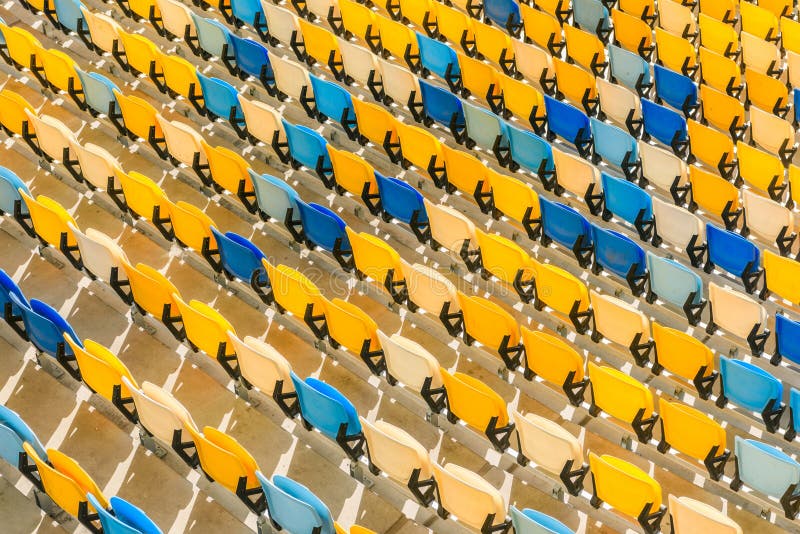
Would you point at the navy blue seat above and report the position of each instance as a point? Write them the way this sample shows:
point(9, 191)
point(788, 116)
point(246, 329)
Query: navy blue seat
point(222, 101)
point(630, 203)
point(11, 313)
point(11, 201)
point(735, 254)
point(592, 16)
point(308, 148)
point(665, 125)
point(239, 256)
point(532, 153)
point(404, 203)
point(252, 57)
point(620, 255)
point(750, 387)
point(787, 339)
point(566, 226)
point(325, 229)
point(505, 13)
point(677, 90)
point(334, 102)
point(443, 107)
point(570, 123)
point(617, 147)
point(630, 69)
point(440, 59)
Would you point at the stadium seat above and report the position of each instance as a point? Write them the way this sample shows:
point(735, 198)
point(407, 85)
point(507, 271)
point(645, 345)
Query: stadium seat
point(556, 362)
point(524, 101)
point(354, 175)
point(411, 364)
point(325, 229)
point(184, 145)
point(720, 73)
point(542, 28)
point(98, 94)
point(308, 148)
point(768, 470)
point(431, 291)
point(141, 122)
point(718, 37)
point(487, 131)
point(454, 231)
point(51, 223)
point(11, 200)
point(440, 59)
point(222, 101)
point(213, 37)
point(569, 123)
point(508, 262)
point(665, 125)
point(352, 328)
point(772, 133)
point(13, 433)
point(675, 89)
point(684, 356)
point(529, 151)
point(392, 450)
point(630, 203)
point(229, 172)
point(643, 9)
point(586, 49)
point(693, 433)
point(378, 126)
point(724, 10)
point(122, 517)
point(360, 65)
point(689, 515)
point(621, 105)
point(751, 388)
point(632, 33)
point(662, 168)
point(13, 117)
point(59, 70)
point(622, 323)
point(566, 226)
point(21, 47)
point(442, 106)
point(680, 228)
point(738, 314)
point(252, 58)
point(760, 54)
point(786, 332)
point(592, 16)
point(734, 254)
point(768, 220)
point(103, 258)
point(293, 507)
point(468, 496)
point(423, 150)
point(628, 489)
point(206, 330)
point(616, 147)
point(263, 367)
point(534, 64)
point(292, 291)
point(377, 260)
point(517, 201)
point(322, 46)
point(279, 201)
point(713, 194)
point(568, 296)
point(281, 24)
point(780, 277)
point(144, 199)
point(678, 19)
point(11, 313)
point(676, 53)
point(493, 327)
point(334, 102)
point(672, 282)
point(152, 293)
point(175, 22)
point(620, 255)
point(760, 22)
point(766, 92)
point(53, 139)
point(100, 30)
point(180, 77)
point(324, 408)
point(528, 520)
point(140, 56)
point(630, 70)
point(762, 170)
point(577, 85)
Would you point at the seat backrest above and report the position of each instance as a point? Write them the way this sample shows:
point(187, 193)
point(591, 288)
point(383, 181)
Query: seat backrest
point(613, 144)
point(220, 97)
point(449, 227)
point(782, 276)
point(400, 200)
point(143, 195)
point(282, 23)
point(575, 174)
point(618, 253)
point(65, 481)
point(759, 168)
point(44, 326)
point(184, 143)
point(306, 145)
point(619, 394)
point(673, 282)
point(212, 35)
point(180, 75)
point(323, 227)
point(624, 486)
point(325, 408)
point(108, 521)
point(546, 443)
point(151, 289)
point(350, 326)
point(747, 385)
point(292, 290)
point(441, 105)
point(224, 459)
point(10, 183)
point(205, 327)
point(409, 362)
point(504, 259)
point(263, 121)
point(764, 468)
point(13, 109)
point(50, 219)
point(551, 358)
point(332, 100)
point(102, 28)
point(770, 131)
point(734, 311)
point(674, 88)
point(133, 517)
point(662, 168)
point(429, 289)
point(275, 196)
point(730, 251)
point(626, 200)
point(567, 121)
point(663, 123)
point(100, 254)
point(528, 521)
point(484, 127)
point(513, 197)
point(294, 507)
point(628, 68)
point(261, 364)
point(691, 431)
point(689, 515)
point(678, 226)
point(487, 322)
point(239, 256)
point(159, 412)
point(468, 496)
point(13, 433)
point(529, 150)
point(375, 258)
point(291, 77)
point(192, 226)
point(98, 92)
point(100, 368)
point(395, 452)
point(439, 58)
point(787, 337)
point(564, 224)
point(473, 401)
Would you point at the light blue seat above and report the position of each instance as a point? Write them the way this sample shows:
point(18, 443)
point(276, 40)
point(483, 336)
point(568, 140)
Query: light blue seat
point(628, 202)
point(123, 518)
point(751, 388)
point(504, 13)
point(787, 339)
point(98, 93)
point(334, 102)
point(249, 12)
point(239, 256)
point(293, 507)
point(10, 199)
point(443, 106)
point(529, 521)
point(569, 123)
point(665, 125)
point(277, 200)
point(324, 408)
point(531, 152)
point(488, 131)
point(440, 59)
point(252, 58)
point(3, 39)
point(674, 283)
point(404, 203)
point(222, 100)
point(675, 89)
point(324, 228)
point(212, 36)
point(13, 433)
point(733, 253)
point(617, 147)
point(768, 470)
point(592, 16)
point(630, 70)
point(308, 148)
point(617, 253)
point(69, 14)
point(566, 226)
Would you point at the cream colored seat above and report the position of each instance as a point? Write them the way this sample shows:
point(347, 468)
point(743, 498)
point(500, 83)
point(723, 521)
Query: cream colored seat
point(469, 497)
point(694, 517)
point(622, 323)
point(737, 314)
point(680, 228)
point(433, 292)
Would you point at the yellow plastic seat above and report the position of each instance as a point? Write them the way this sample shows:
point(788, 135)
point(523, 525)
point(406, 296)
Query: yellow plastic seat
point(479, 406)
point(542, 28)
point(295, 293)
point(207, 330)
point(720, 72)
point(782, 277)
point(399, 40)
point(691, 432)
point(13, 116)
point(356, 176)
point(626, 488)
point(761, 169)
point(452, 230)
point(51, 223)
point(376, 259)
point(522, 100)
point(152, 291)
point(478, 79)
point(180, 75)
point(375, 124)
point(267, 369)
point(790, 33)
point(59, 69)
point(103, 372)
point(773, 134)
point(139, 117)
point(508, 262)
point(352, 328)
point(495, 45)
point(103, 29)
point(141, 54)
point(474, 501)
point(716, 196)
point(722, 10)
point(677, 19)
point(712, 147)
point(623, 397)
point(65, 481)
point(586, 49)
point(676, 53)
point(492, 326)
point(433, 292)
point(321, 45)
point(766, 92)
point(794, 181)
point(469, 175)
point(22, 47)
point(193, 227)
point(689, 515)
point(577, 84)
point(143, 8)
point(360, 21)
point(556, 362)
point(420, 13)
point(759, 21)
point(683, 355)
point(632, 33)
point(718, 37)
point(229, 464)
point(622, 323)
point(761, 55)
point(723, 111)
point(561, 9)
point(145, 199)
point(229, 171)
point(517, 201)
point(564, 293)
point(643, 9)
point(456, 26)
point(423, 150)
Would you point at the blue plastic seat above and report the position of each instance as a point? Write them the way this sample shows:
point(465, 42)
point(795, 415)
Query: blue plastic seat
point(677, 284)
point(98, 92)
point(675, 89)
point(616, 147)
point(628, 202)
point(796, 99)
point(440, 59)
point(735, 254)
point(529, 521)
point(620, 255)
point(569, 123)
point(246, 12)
point(324, 228)
point(69, 14)
point(9, 287)
point(666, 125)
point(566, 226)
point(592, 16)
point(13, 433)
point(10, 184)
point(486, 130)
point(530, 152)
point(239, 256)
point(212, 35)
point(794, 414)
point(442, 106)
point(335, 102)
point(327, 410)
point(251, 57)
point(787, 339)
point(751, 388)
point(502, 12)
point(294, 507)
point(123, 518)
point(221, 99)
point(769, 470)
point(400, 200)
point(308, 148)
point(630, 70)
